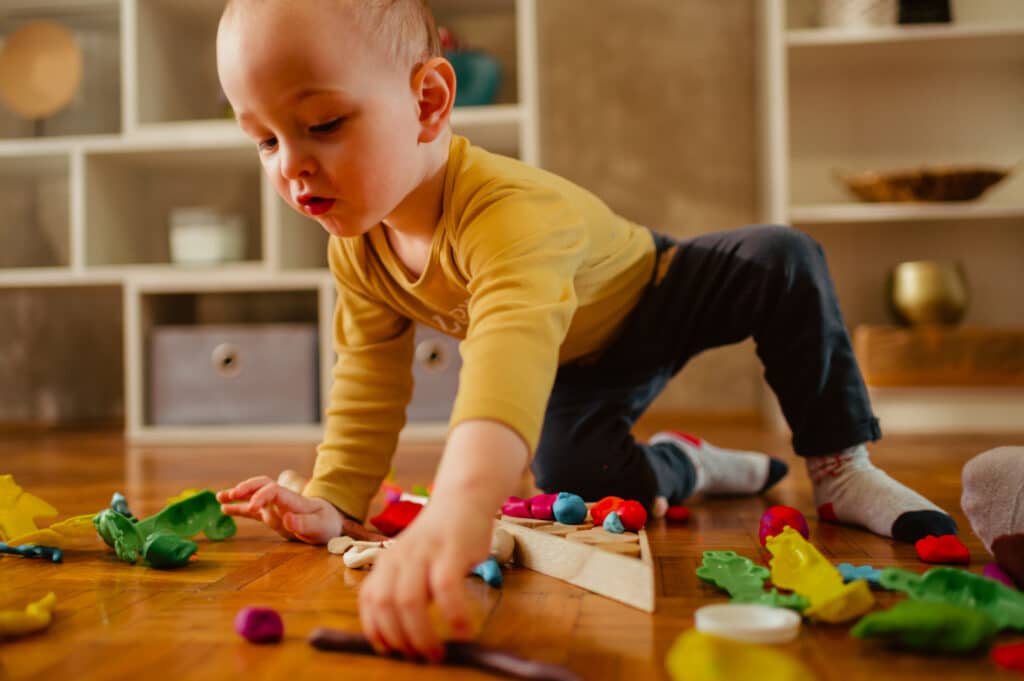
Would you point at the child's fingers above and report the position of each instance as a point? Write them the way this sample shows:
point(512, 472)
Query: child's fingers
point(446, 587)
point(411, 597)
point(307, 527)
point(240, 511)
point(243, 490)
point(285, 500)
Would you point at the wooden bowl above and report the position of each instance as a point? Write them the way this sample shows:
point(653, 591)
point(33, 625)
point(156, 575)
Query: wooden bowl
point(938, 183)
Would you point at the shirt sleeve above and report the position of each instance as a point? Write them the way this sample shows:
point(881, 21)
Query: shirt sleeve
point(371, 390)
point(521, 254)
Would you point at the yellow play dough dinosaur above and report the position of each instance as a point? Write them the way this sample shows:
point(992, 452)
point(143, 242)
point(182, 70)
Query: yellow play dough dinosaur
point(18, 509)
point(75, 532)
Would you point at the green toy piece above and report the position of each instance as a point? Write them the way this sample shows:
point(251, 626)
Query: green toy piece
point(744, 581)
point(1003, 605)
point(162, 540)
point(931, 626)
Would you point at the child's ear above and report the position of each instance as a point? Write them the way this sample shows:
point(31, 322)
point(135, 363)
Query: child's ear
point(434, 86)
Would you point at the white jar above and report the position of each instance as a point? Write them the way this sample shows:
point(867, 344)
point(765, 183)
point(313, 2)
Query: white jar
point(203, 236)
point(858, 13)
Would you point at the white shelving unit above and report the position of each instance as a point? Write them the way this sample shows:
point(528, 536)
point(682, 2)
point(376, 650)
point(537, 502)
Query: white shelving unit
point(85, 197)
point(898, 97)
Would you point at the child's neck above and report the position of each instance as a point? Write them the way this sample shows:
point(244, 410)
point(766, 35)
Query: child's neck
point(410, 228)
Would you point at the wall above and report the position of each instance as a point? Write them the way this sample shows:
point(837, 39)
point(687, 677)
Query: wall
point(651, 105)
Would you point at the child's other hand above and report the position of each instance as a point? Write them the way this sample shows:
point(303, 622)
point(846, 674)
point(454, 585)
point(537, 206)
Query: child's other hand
point(308, 519)
point(428, 563)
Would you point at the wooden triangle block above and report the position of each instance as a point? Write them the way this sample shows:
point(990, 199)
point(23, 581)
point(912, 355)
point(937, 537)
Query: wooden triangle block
point(591, 558)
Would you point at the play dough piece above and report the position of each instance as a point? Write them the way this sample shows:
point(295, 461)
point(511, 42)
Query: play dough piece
point(19, 509)
point(570, 509)
point(259, 625)
point(697, 656)
point(120, 504)
point(396, 517)
point(75, 532)
point(929, 626)
point(993, 571)
point(1003, 605)
point(35, 617)
point(744, 581)
point(50, 553)
point(613, 523)
point(1009, 656)
point(852, 573)
point(778, 517)
point(542, 506)
point(945, 550)
point(514, 507)
point(489, 571)
point(678, 514)
point(340, 545)
point(199, 512)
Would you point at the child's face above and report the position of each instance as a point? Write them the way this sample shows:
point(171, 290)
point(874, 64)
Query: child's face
point(336, 121)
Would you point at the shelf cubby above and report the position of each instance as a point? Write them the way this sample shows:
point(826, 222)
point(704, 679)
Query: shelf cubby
point(96, 108)
point(130, 195)
point(35, 212)
point(175, 73)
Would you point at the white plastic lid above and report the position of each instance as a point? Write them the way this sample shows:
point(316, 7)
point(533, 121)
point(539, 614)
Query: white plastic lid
point(748, 623)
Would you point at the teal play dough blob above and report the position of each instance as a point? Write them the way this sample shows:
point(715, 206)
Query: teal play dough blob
point(489, 571)
point(569, 509)
point(929, 626)
point(613, 523)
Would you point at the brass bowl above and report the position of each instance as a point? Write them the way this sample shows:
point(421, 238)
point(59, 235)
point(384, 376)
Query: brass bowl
point(928, 292)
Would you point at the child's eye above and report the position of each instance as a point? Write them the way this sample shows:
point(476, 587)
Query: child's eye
point(330, 126)
point(267, 144)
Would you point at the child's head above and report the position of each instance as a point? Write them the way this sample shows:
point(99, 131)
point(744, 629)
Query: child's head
point(348, 101)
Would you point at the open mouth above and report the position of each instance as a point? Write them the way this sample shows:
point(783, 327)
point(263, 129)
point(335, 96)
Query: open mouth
point(315, 205)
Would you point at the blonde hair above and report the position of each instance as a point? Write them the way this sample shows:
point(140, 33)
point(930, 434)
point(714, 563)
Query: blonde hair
point(406, 27)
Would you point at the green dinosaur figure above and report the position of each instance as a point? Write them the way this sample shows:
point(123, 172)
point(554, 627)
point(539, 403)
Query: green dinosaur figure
point(931, 626)
point(162, 539)
point(1003, 605)
point(744, 581)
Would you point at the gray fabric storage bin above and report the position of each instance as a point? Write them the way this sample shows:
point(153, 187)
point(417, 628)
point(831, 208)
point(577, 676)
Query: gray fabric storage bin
point(237, 374)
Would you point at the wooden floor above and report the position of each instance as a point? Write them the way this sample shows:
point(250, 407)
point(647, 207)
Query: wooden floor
point(116, 621)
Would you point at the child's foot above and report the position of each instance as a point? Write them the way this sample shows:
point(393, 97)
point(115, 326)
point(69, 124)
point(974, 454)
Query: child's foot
point(685, 465)
point(848, 488)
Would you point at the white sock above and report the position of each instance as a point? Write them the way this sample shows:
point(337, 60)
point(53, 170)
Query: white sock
point(848, 488)
point(724, 471)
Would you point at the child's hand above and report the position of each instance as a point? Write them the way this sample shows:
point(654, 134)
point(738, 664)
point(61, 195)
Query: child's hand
point(308, 519)
point(427, 564)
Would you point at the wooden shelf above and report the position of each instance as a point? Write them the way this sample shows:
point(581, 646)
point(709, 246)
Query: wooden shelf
point(824, 37)
point(826, 213)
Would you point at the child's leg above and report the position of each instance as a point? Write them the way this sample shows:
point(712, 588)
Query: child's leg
point(772, 283)
point(586, 448)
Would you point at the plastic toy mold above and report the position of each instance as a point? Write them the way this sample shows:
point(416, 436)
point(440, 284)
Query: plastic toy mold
point(798, 566)
point(1003, 605)
point(744, 581)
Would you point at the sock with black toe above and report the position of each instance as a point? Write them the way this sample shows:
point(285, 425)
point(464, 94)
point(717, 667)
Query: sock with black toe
point(685, 465)
point(848, 488)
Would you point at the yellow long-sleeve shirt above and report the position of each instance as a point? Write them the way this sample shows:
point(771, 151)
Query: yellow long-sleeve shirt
point(526, 268)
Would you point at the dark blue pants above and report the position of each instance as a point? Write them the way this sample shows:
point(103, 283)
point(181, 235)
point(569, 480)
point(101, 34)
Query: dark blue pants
point(769, 282)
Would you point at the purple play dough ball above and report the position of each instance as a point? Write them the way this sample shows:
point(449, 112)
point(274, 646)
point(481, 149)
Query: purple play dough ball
point(259, 625)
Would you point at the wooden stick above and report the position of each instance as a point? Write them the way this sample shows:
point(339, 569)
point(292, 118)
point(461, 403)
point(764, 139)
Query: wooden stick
point(456, 653)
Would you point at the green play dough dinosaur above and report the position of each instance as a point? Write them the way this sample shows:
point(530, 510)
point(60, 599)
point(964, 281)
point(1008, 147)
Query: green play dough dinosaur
point(744, 581)
point(162, 539)
point(1003, 605)
point(929, 626)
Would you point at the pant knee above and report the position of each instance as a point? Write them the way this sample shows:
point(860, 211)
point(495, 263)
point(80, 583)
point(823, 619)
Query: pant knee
point(786, 249)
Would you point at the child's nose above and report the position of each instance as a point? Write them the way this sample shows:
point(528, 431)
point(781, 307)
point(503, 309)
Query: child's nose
point(296, 162)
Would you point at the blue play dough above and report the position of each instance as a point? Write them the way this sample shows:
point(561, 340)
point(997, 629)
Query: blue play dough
point(489, 571)
point(569, 509)
point(613, 523)
point(865, 572)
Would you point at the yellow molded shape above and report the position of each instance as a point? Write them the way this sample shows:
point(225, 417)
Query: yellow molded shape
point(186, 494)
point(35, 617)
point(797, 565)
point(18, 509)
point(696, 656)
point(75, 532)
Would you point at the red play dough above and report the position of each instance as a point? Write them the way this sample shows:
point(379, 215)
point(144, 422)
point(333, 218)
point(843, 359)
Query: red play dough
point(602, 508)
point(1009, 656)
point(679, 514)
point(542, 506)
point(632, 514)
point(777, 518)
point(396, 517)
point(516, 507)
point(947, 549)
